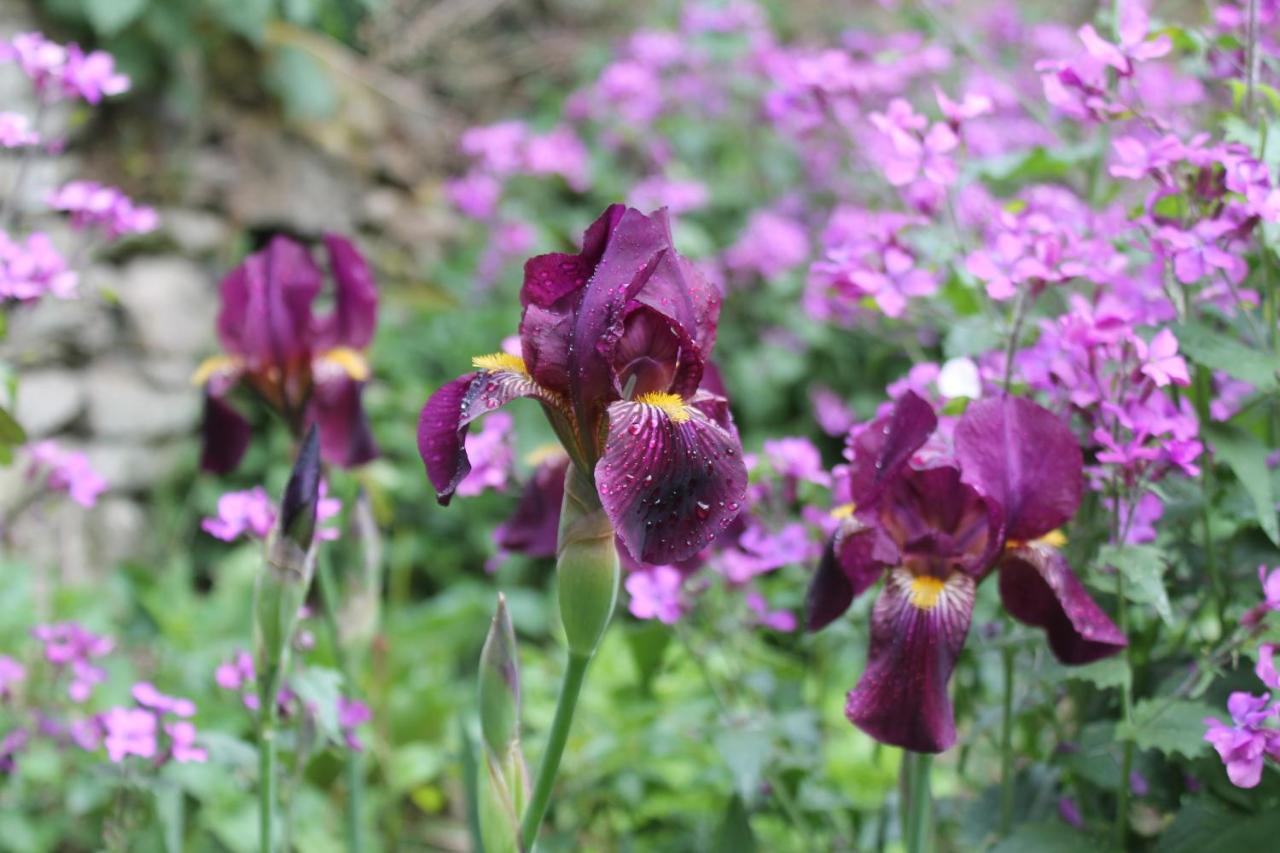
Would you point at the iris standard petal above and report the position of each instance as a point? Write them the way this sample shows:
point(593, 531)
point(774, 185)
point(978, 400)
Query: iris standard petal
point(918, 628)
point(265, 316)
point(882, 449)
point(226, 436)
point(355, 308)
point(651, 354)
point(1038, 588)
point(1026, 459)
point(445, 418)
point(670, 479)
point(345, 437)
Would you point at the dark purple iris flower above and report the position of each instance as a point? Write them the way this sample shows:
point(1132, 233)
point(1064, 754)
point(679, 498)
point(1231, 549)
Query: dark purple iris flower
point(934, 517)
point(309, 368)
point(615, 341)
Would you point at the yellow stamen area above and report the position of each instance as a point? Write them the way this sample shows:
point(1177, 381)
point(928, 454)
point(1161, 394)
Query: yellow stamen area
point(925, 591)
point(500, 361)
point(349, 361)
point(1054, 539)
point(543, 453)
point(844, 510)
point(211, 366)
point(671, 404)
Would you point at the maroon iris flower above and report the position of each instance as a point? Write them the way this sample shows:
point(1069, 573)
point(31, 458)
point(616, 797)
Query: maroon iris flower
point(614, 341)
point(934, 520)
point(309, 368)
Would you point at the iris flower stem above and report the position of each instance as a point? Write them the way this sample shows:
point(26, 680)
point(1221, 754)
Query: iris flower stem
point(266, 763)
point(351, 761)
point(917, 766)
point(1006, 746)
point(570, 688)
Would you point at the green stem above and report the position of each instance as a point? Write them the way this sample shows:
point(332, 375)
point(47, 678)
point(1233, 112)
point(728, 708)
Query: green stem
point(574, 675)
point(355, 777)
point(1006, 746)
point(1121, 828)
point(266, 763)
point(917, 766)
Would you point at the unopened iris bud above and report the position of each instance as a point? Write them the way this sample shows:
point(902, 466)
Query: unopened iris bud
point(282, 587)
point(586, 565)
point(500, 684)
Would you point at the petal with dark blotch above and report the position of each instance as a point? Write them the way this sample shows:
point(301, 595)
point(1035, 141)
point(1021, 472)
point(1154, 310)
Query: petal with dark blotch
point(880, 451)
point(445, 419)
point(1026, 459)
point(226, 436)
point(266, 306)
point(534, 525)
point(918, 628)
point(345, 437)
point(355, 308)
point(1038, 588)
point(670, 479)
point(851, 562)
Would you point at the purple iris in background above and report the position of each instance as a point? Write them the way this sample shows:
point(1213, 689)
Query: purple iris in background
point(934, 515)
point(614, 343)
point(309, 368)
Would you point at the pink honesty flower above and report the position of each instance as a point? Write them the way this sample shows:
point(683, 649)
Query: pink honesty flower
point(352, 713)
point(497, 147)
point(830, 411)
point(129, 731)
point(250, 511)
point(11, 672)
point(796, 458)
point(678, 196)
point(69, 646)
point(16, 131)
point(91, 204)
point(1161, 362)
point(1244, 745)
point(237, 673)
point(32, 269)
point(65, 471)
point(475, 194)
point(655, 594)
point(778, 620)
point(559, 152)
point(770, 245)
point(971, 106)
point(1265, 669)
point(492, 456)
point(182, 743)
point(1133, 47)
point(59, 71)
point(1070, 812)
point(1270, 587)
point(146, 695)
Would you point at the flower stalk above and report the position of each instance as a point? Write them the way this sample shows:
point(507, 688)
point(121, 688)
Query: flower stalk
point(916, 767)
point(351, 760)
point(1006, 746)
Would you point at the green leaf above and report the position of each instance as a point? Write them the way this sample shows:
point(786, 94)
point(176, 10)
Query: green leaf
point(301, 83)
point(746, 751)
point(1204, 825)
point(1247, 458)
point(1168, 725)
point(320, 687)
point(11, 432)
point(734, 835)
point(1143, 567)
point(109, 17)
point(1108, 672)
point(1046, 837)
point(648, 643)
point(1218, 351)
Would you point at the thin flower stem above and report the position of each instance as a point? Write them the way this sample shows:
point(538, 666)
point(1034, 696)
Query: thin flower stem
point(266, 763)
point(570, 688)
point(355, 776)
point(1121, 828)
point(1019, 317)
point(917, 766)
point(1006, 746)
point(8, 205)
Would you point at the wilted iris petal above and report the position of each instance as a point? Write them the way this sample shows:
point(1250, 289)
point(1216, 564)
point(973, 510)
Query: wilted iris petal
point(448, 414)
point(883, 448)
point(1026, 459)
point(670, 479)
point(1038, 588)
point(854, 559)
point(533, 527)
point(355, 311)
point(226, 436)
point(918, 627)
point(345, 437)
point(266, 306)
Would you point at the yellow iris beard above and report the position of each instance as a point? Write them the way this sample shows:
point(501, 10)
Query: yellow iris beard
point(500, 361)
point(1054, 539)
point(211, 366)
point(349, 361)
point(672, 404)
point(925, 590)
point(843, 510)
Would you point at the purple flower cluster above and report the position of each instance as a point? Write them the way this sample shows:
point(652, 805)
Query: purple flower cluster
point(33, 268)
point(92, 205)
point(61, 470)
point(59, 71)
point(252, 512)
